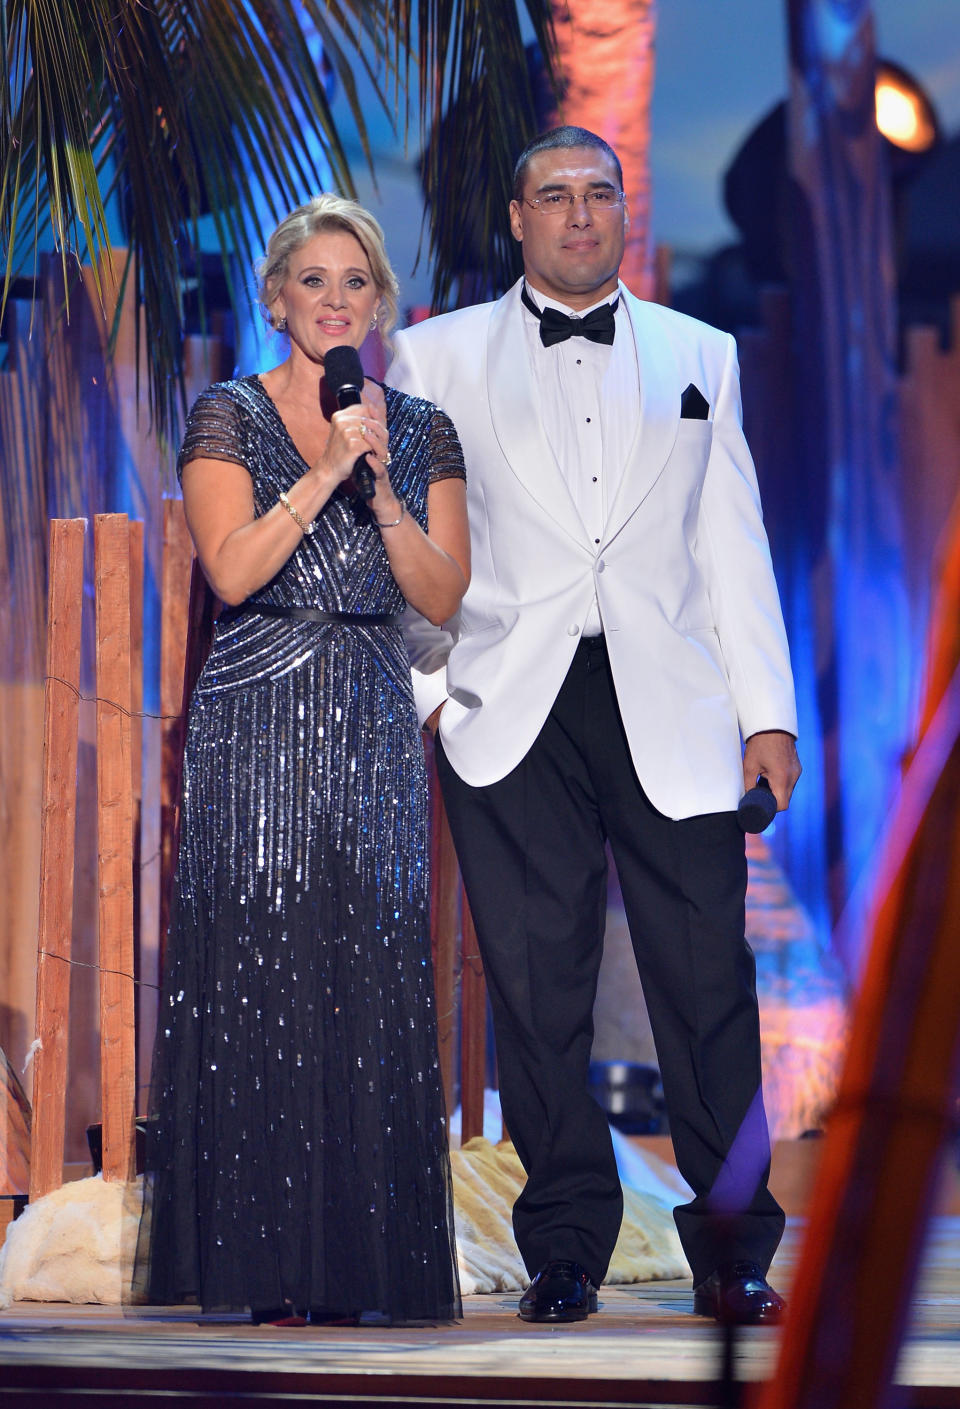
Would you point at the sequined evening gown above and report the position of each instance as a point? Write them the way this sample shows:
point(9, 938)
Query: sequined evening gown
point(299, 1146)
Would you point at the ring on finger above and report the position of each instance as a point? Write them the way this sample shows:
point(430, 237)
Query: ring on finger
point(388, 460)
point(363, 429)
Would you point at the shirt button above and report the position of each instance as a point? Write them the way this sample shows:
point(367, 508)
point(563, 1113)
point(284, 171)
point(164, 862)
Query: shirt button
point(588, 420)
point(596, 540)
point(573, 630)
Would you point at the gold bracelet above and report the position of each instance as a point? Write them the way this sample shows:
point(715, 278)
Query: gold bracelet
point(302, 525)
point(394, 522)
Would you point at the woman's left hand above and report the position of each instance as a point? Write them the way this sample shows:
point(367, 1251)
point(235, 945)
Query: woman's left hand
point(378, 457)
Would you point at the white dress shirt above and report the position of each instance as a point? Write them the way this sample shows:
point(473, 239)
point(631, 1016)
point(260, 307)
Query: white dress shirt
point(589, 401)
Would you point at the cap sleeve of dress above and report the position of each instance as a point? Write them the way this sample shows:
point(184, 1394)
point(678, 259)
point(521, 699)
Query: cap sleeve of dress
point(446, 454)
point(215, 429)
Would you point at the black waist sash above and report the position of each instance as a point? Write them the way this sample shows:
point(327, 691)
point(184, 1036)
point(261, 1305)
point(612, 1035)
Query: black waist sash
point(312, 614)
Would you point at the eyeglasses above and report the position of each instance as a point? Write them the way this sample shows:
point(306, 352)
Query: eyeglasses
point(559, 202)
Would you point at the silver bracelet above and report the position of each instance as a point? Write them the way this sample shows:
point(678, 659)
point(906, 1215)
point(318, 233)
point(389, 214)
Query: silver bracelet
point(299, 520)
point(394, 522)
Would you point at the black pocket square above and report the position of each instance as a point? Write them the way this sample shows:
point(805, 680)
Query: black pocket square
point(694, 405)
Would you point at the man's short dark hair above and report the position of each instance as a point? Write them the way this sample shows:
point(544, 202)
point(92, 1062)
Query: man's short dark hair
point(555, 138)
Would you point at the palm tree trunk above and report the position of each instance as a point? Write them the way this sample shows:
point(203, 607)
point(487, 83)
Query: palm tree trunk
point(605, 63)
point(844, 299)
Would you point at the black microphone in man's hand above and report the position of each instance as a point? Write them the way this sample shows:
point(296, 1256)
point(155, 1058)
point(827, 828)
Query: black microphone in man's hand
point(757, 808)
point(344, 377)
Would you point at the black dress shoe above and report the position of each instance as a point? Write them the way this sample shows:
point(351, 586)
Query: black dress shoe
point(561, 1291)
point(285, 1316)
point(739, 1295)
point(323, 1316)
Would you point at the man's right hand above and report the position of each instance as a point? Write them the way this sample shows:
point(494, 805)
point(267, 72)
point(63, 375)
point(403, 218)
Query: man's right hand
point(432, 722)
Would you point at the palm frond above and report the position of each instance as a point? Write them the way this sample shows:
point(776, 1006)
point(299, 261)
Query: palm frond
point(180, 107)
point(46, 156)
point(477, 83)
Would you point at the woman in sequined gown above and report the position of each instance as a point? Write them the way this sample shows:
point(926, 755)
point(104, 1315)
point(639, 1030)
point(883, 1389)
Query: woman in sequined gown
point(298, 1159)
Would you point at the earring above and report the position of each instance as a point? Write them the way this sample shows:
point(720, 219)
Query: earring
point(373, 320)
point(281, 325)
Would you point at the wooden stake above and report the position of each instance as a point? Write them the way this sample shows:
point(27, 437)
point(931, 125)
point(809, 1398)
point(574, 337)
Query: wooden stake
point(189, 609)
point(115, 843)
point(136, 657)
point(136, 745)
point(58, 825)
point(174, 616)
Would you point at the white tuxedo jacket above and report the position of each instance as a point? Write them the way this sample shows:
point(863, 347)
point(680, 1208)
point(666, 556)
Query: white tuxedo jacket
point(682, 574)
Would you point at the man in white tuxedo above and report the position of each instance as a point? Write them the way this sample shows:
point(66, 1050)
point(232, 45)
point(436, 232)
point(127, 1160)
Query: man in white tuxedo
point(618, 672)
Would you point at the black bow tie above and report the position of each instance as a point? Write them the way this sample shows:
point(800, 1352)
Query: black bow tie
point(598, 326)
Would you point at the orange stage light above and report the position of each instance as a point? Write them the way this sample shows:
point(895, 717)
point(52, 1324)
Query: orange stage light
point(905, 115)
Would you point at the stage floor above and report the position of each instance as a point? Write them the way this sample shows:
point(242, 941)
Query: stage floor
point(644, 1346)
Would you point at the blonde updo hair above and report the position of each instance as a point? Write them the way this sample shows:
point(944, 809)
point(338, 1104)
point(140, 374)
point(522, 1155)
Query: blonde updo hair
point(327, 212)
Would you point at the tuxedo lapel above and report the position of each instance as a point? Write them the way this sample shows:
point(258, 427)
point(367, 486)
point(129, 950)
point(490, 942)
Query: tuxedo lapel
point(514, 410)
point(658, 421)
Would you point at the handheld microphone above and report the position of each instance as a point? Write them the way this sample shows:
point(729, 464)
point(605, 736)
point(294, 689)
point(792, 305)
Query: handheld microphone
point(344, 377)
point(757, 808)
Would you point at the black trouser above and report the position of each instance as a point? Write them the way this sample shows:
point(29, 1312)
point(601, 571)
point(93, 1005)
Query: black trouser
point(531, 849)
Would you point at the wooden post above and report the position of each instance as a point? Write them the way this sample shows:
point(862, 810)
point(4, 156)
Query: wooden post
point(444, 927)
point(115, 843)
point(136, 748)
point(473, 1030)
point(189, 609)
point(58, 825)
point(175, 598)
point(136, 658)
point(606, 63)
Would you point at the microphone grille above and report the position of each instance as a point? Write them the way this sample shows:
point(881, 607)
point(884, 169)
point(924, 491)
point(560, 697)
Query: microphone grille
point(342, 368)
